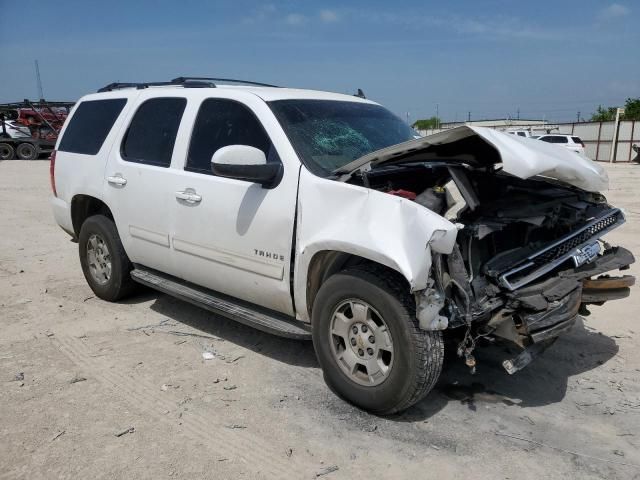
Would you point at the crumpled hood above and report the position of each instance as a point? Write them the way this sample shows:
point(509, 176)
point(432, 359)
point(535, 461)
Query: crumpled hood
point(519, 156)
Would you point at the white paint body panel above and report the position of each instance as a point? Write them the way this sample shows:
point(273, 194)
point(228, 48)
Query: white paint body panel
point(387, 229)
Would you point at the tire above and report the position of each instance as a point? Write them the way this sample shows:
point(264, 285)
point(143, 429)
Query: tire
point(7, 151)
point(415, 363)
point(27, 151)
point(99, 246)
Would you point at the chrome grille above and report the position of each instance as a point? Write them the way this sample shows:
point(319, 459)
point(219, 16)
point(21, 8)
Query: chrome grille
point(550, 257)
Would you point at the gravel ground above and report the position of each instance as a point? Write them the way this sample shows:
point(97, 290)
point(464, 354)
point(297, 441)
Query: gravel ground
point(90, 389)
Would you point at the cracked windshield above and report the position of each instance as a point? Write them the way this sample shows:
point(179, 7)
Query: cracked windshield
point(330, 134)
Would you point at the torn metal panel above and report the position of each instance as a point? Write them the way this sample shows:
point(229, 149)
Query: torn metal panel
point(387, 229)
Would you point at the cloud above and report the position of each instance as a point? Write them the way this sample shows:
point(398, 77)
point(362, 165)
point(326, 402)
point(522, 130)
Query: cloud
point(295, 19)
point(613, 11)
point(329, 16)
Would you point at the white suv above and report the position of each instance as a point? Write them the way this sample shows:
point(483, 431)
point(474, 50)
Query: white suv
point(571, 142)
point(316, 215)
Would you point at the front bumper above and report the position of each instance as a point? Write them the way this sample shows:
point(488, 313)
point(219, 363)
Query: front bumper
point(546, 309)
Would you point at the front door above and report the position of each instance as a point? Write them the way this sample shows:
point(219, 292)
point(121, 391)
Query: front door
point(229, 235)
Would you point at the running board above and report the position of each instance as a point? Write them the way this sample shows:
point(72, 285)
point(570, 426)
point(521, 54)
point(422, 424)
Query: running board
point(261, 318)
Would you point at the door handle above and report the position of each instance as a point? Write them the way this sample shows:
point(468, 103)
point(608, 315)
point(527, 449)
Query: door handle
point(189, 195)
point(117, 179)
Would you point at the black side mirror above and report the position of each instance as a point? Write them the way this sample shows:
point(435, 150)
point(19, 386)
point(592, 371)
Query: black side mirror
point(267, 175)
point(242, 162)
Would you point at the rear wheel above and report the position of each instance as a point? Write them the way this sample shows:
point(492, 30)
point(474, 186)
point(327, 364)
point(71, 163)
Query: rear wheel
point(368, 342)
point(27, 151)
point(7, 151)
point(104, 262)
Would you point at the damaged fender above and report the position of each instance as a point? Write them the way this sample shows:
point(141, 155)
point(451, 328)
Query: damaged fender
point(389, 230)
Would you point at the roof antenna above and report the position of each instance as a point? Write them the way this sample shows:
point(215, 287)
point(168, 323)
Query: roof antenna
point(359, 93)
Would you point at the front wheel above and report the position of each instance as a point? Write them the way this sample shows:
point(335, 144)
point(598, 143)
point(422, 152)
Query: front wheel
point(368, 343)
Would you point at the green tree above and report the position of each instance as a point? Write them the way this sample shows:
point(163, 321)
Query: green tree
point(604, 114)
point(427, 123)
point(632, 109)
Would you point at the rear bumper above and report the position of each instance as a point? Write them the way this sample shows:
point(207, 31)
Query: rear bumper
point(62, 214)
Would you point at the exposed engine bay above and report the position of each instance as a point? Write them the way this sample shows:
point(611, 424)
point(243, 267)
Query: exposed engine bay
point(529, 256)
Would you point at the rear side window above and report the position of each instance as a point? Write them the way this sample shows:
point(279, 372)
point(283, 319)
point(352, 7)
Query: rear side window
point(546, 139)
point(220, 123)
point(522, 134)
point(90, 125)
point(560, 140)
point(152, 132)
point(576, 140)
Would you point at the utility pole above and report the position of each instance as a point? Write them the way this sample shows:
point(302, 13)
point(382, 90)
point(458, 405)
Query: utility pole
point(614, 141)
point(408, 118)
point(39, 82)
point(437, 117)
point(469, 117)
point(518, 114)
point(578, 117)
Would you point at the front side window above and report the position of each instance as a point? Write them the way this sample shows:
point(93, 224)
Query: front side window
point(329, 134)
point(220, 123)
point(152, 132)
point(90, 124)
point(546, 139)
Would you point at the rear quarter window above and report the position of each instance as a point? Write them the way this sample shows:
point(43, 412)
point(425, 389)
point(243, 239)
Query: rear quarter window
point(90, 125)
point(577, 140)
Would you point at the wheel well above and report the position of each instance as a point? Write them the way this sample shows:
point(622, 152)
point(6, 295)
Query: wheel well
point(328, 262)
point(83, 207)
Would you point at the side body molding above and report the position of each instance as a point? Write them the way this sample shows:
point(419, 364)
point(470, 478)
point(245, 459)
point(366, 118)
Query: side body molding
point(387, 229)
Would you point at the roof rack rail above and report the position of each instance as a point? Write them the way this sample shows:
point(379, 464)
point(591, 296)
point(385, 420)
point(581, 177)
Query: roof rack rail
point(187, 82)
point(180, 80)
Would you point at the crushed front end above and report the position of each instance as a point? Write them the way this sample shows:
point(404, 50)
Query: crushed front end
point(533, 258)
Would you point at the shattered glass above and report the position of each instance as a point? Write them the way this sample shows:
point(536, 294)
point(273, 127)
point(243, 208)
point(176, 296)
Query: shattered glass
point(329, 134)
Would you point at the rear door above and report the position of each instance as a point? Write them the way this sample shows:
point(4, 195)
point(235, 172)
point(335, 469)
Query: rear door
point(236, 238)
point(139, 179)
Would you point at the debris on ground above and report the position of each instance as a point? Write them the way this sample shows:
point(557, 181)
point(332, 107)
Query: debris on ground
point(58, 435)
point(208, 355)
point(19, 377)
point(124, 432)
point(289, 452)
point(327, 470)
point(77, 379)
point(236, 426)
point(230, 387)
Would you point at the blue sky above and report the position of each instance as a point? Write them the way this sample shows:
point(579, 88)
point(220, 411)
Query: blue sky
point(491, 57)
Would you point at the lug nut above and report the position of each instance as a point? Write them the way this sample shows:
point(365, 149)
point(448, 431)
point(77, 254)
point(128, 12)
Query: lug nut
point(370, 351)
point(372, 339)
point(353, 342)
point(360, 352)
point(355, 330)
point(364, 329)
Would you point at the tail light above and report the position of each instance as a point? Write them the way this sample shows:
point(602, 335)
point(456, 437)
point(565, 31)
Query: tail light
point(52, 172)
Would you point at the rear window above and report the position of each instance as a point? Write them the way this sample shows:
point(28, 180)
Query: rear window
point(153, 130)
point(576, 140)
point(90, 125)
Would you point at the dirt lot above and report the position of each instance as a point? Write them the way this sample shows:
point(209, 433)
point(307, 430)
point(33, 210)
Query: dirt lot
point(76, 372)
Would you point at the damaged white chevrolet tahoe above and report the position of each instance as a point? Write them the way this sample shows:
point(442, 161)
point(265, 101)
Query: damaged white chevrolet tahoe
point(317, 215)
